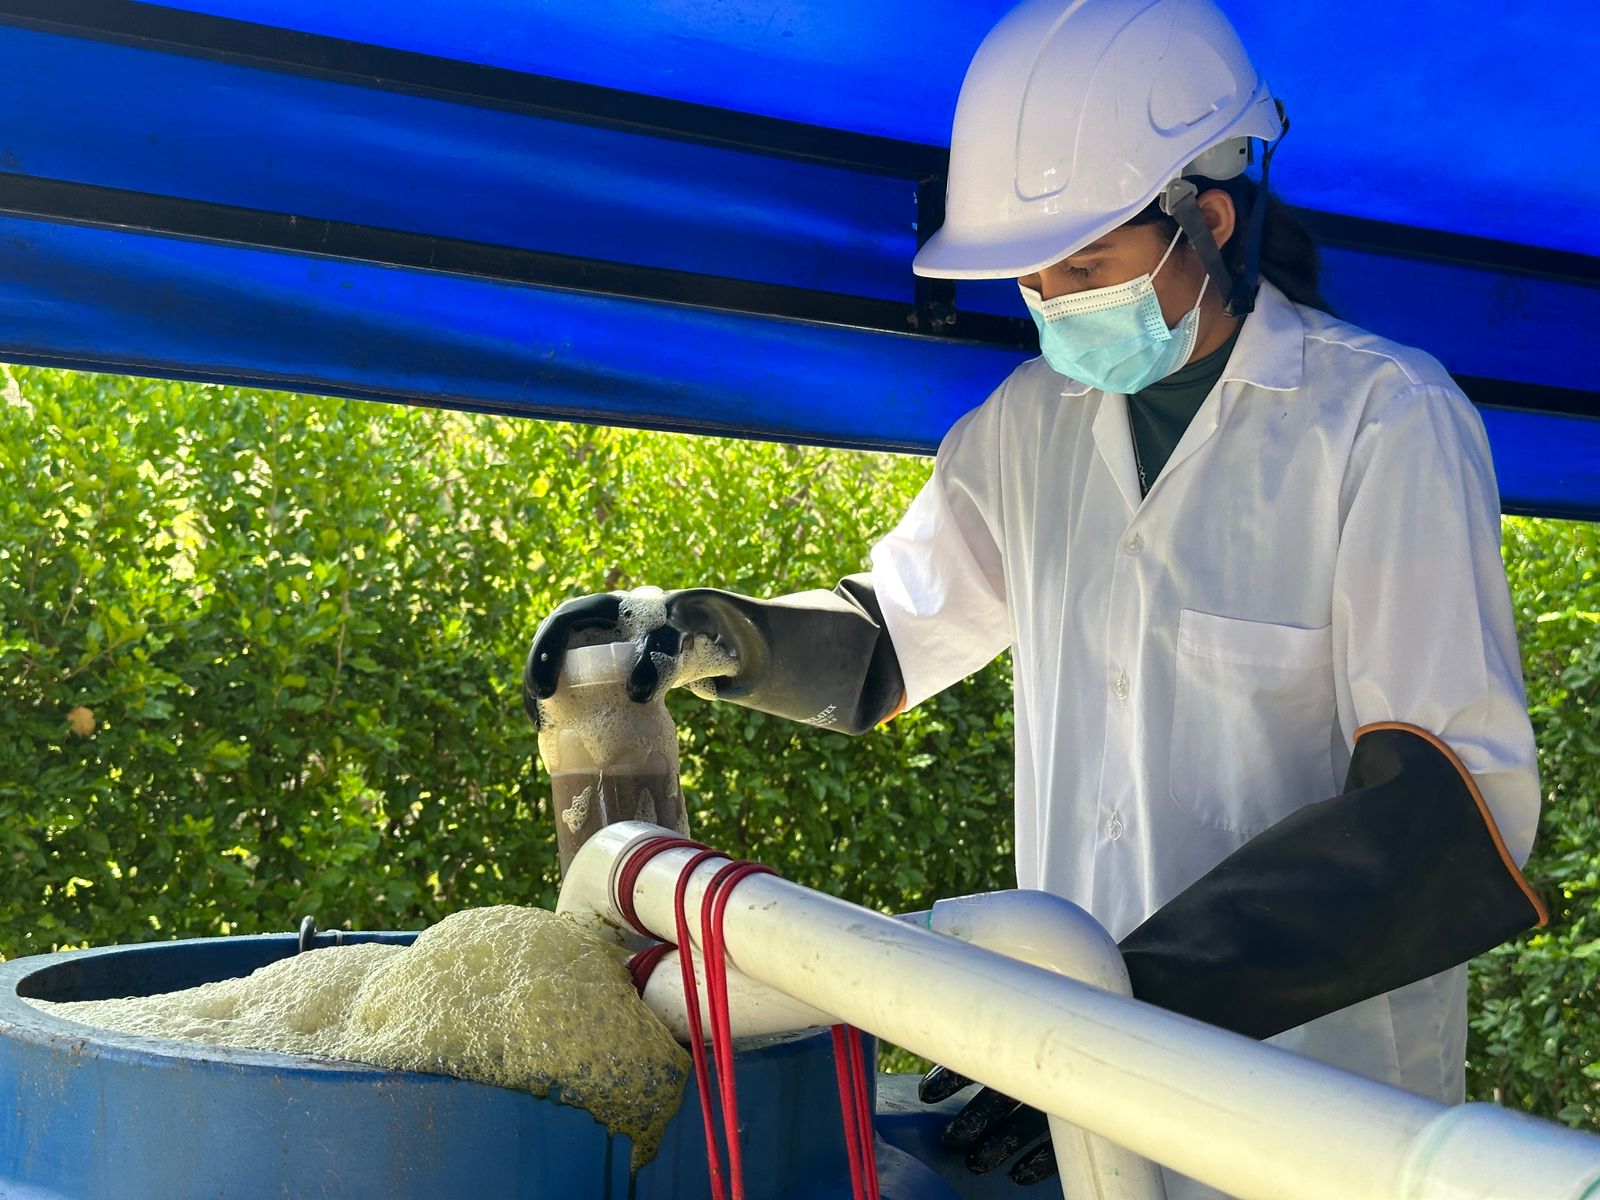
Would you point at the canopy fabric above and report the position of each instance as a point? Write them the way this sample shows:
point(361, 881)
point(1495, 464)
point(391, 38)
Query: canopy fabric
point(700, 214)
point(1464, 115)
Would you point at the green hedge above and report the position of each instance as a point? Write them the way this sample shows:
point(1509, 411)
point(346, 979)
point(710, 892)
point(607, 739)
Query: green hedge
point(297, 626)
point(262, 657)
point(1535, 1025)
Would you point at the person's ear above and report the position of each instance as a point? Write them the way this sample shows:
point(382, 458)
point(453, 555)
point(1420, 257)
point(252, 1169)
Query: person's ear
point(1216, 206)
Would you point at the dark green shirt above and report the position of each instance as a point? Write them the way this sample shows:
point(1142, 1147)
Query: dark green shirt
point(1158, 415)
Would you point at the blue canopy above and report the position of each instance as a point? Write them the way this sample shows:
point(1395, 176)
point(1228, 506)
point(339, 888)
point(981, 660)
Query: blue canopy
point(700, 214)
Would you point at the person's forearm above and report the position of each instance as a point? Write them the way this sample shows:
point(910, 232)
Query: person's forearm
point(820, 657)
point(1400, 877)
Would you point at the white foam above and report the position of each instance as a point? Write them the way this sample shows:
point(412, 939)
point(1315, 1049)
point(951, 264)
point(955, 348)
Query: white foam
point(577, 812)
point(642, 611)
point(589, 723)
point(516, 997)
point(700, 662)
point(590, 728)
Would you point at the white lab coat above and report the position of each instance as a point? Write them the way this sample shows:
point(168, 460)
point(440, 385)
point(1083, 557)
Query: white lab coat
point(1321, 552)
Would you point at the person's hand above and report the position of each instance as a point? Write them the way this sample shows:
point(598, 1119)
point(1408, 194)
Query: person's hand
point(685, 637)
point(992, 1128)
point(822, 658)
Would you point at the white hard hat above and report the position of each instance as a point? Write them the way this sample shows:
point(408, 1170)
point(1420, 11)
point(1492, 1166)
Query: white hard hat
point(1076, 114)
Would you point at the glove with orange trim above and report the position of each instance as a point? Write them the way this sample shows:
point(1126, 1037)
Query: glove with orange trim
point(1401, 876)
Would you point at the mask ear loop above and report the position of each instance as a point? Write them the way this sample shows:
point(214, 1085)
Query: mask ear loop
point(1205, 279)
point(1171, 246)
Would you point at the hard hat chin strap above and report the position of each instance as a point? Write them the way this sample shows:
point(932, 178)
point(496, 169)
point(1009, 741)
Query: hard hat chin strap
point(1179, 201)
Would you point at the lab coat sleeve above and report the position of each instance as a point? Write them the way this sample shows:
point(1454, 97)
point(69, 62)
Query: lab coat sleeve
point(1422, 625)
point(1413, 868)
point(938, 575)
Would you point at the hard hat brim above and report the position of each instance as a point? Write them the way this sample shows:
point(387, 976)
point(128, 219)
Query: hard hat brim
point(950, 254)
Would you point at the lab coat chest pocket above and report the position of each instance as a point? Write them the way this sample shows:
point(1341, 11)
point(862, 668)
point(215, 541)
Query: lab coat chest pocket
point(1252, 720)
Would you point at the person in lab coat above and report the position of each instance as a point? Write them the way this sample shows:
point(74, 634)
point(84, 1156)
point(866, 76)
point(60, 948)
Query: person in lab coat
point(1270, 725)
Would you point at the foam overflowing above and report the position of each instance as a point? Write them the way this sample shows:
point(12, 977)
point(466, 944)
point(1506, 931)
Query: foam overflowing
point(640, 612)
point(598, 711)
point(576, 814)
point(611, 758)
point(700, 663)
point(644, 610)
point(516, 997)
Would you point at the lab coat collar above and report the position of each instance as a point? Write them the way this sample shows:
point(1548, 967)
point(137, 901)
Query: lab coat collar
point(1115, 444)
point(1269, 354)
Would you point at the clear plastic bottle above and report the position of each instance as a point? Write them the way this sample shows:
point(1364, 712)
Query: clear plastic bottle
point(610, 759)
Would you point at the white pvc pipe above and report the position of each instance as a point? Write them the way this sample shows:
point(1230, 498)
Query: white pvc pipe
point(1036, 928)
point(1051, 932)
point(754, 1009)
point(1255, 1121)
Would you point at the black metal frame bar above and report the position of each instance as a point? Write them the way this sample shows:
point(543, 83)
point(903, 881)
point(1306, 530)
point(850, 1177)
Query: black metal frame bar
point(935, 298)
point(71, 203)
point(224, 39)
point(1529, 397)
point(136, 212)
point(1455, 249)
point(931, 312)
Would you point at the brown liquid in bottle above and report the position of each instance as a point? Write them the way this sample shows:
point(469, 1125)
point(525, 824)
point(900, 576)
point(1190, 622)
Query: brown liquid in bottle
point(586, 801)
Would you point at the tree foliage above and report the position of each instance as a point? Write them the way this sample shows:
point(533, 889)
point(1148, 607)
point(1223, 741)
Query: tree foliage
point(262, 657)
point(1535, 1023)
point(263, 653)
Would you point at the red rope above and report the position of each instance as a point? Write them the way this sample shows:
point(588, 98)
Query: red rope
point(847, 1102)
point(643, 964)
point(855, 1110)
point(629, 875)
point(869, 1152)
point(849, 1066)
point(713, 904)
point(691, 1005)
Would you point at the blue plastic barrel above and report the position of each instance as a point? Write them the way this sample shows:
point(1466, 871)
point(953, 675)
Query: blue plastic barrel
point(96, 1115)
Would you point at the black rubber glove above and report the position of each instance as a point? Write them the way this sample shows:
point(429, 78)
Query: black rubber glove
point(820, 657)
point(991, 1128)
point(1401, 876)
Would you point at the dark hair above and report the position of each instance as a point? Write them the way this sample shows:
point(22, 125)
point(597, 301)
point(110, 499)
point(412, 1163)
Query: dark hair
point(1288, 255)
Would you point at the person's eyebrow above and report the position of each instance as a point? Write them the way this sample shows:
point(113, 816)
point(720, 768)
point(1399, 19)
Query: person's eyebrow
point(1091, 247)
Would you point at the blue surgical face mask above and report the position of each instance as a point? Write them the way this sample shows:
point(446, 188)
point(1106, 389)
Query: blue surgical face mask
point(1114, 338)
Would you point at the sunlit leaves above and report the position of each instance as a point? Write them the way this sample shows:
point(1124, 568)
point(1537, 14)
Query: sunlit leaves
point(1535, 1029)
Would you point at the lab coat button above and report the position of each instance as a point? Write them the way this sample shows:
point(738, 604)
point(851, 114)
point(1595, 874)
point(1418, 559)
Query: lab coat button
point(1133, 545)
point(1120, 688)
point(1114, 827)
